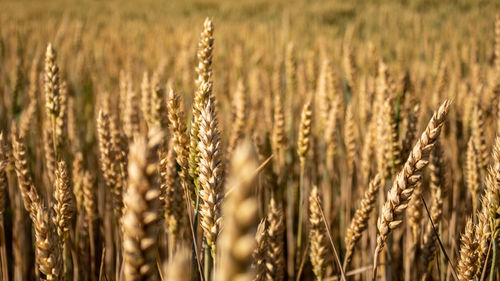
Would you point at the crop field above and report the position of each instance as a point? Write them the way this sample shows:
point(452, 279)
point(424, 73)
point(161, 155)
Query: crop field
point(250, 140)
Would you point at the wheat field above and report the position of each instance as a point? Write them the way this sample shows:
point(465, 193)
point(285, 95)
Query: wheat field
point(250, 140)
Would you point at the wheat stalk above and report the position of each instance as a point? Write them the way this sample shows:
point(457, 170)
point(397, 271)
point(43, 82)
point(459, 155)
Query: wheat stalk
point(438, 191)
point(140, 219)
point(210, 177)
point(275, 259)
point(108, 162)
point(173, 194)
point(360, 219)
point(467, 266)
point(64, 206)
point(405, 181)
point(239, 116)
point(318, 244)
point(180, 142)
point(240, 218)
point(203, 92)
point(259, 253)
point(473, 172)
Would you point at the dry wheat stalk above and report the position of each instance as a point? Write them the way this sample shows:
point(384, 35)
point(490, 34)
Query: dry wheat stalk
point(89, 196)
point(276, 78)
point(33, 88)
point(279, 139)
point(478, 136)
point(27, 117)
point(64, 205)
point(365, 100)
point(467, 266)
point(108, 162)
point(61, 123)
point(290, 69)
point(410, 134)
point(180, 142)
point(482, 237)
point(172, 193)
point(473, 181)
point(91, 216)
point(259, 253)
point(202, 96)
point(51, 86)
point(383, 139)
point(350, 68)
point(318, 248)
point(367, 150)
point(77, 177)
point(49, 151)
point(324, 93)
point(438, 191)
point(203, 92)
point(304, 134)
point(392, 141)
point(405, 181)
point(275, 259)
point(140, 219)
point(497, 45)
point(211, 172)
point(360, 219)
point(310, 69)
point(158, 116)
point(72, 128)
point(238, 117)
point(22, 169)
point(131, 119)
point(4, 160)
point(205, 53)
point(240, 218)
point(47, 248)
point(146, 98)
point(415, 212)
point(438, 184)
point(350, 137)
point(493, 189)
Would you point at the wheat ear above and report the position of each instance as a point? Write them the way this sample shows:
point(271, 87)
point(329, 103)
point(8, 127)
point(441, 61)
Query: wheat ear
point(259, 253)
point(467, 263)
point(275, 259)
point(240, 217)
point(318, 244)
point(438, 191)
point(405, 181)
point(140, 220)
point(180, 142)
point(64, 206)
point(173, 197)
point(238, 117)
point(108, 162)
point(493, 189)
point(360, 220)
point(210, 177)
point(473, 171)
point(203, 92)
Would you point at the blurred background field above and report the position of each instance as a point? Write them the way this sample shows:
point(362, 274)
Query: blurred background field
point(373, 72)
